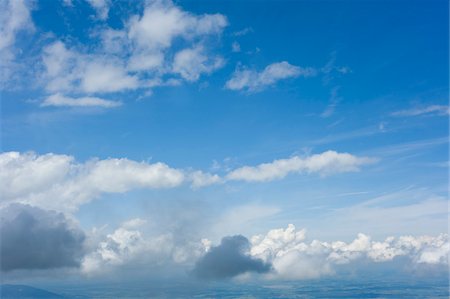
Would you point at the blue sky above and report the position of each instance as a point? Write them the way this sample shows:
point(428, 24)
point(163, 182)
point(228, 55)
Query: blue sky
point(204, 119)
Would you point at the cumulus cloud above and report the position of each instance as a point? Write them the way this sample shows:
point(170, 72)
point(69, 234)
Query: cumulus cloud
point(326, 163)
point(163, 45)
point(69, 71)
point(294, 258)
point(59, 182)
point(32, 238)
point(229, 259)
point(130, 245)
point(428, 110)
point(252, 80)
point(59, 100)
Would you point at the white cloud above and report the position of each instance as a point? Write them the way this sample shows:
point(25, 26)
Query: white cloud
point(162, 22)
point(235, 47)
point(191, 63)
point(294, 258)
point(59, 100)
point(252, 80)
point(202, 179)
point(70, 71)
point(429, 110)
point(326, 163)
point(142, 54)
point(59, 182)
point(15, 18)
point(101, 7)
point(128, 244)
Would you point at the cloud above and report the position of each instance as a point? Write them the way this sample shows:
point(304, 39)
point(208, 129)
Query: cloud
point(326, 163)
point(202, 179)
point(191, 63)
point(229, 259)
point(294, 258)
point(59, 182)
point(101, 7)
point(69, 71)
point(333, 102)
point(32, 238)
point(15, 18)
point(59, 100)
point(163, 45)
point(429, 110)
point(253, 81)
point(235, 47)
point(130, 245)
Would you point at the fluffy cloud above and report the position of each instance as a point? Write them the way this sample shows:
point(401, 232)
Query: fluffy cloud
point(128, 244)
point(58, 100)
point(59, 182)
point(70, 71)
point(229, 259)
point(294, 258)
point(163, 45)
point(429, 110)
point(252, 80)
point(326, 163)
point(32, 238)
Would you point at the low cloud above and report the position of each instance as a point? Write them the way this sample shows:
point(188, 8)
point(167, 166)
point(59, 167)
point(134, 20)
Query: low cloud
point(253, 80)
point(32, 238)
point(59, 182)
point(294, 258)
point(229, 259)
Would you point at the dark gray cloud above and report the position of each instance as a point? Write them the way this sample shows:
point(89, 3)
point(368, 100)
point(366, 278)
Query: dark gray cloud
point(229, 259)
point(32, 238)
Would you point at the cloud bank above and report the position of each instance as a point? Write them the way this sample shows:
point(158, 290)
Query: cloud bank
point(294, 258)
point(61, 183)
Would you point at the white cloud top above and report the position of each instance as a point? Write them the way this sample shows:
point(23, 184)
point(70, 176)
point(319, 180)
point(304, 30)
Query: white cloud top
point(294, 258)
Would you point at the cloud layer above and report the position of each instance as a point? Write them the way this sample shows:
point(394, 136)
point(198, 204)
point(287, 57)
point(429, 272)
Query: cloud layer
point(294, 258)
point(58, 182)
point(32, 238)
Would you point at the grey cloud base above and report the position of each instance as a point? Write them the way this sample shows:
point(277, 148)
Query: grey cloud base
point(229, 259)
point(33, 238)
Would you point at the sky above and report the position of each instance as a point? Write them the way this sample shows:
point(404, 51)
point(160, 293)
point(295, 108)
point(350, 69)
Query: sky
point(267, 140)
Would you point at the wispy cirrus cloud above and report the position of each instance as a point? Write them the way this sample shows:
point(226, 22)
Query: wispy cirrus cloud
point(58, 100)
point(442, 110)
